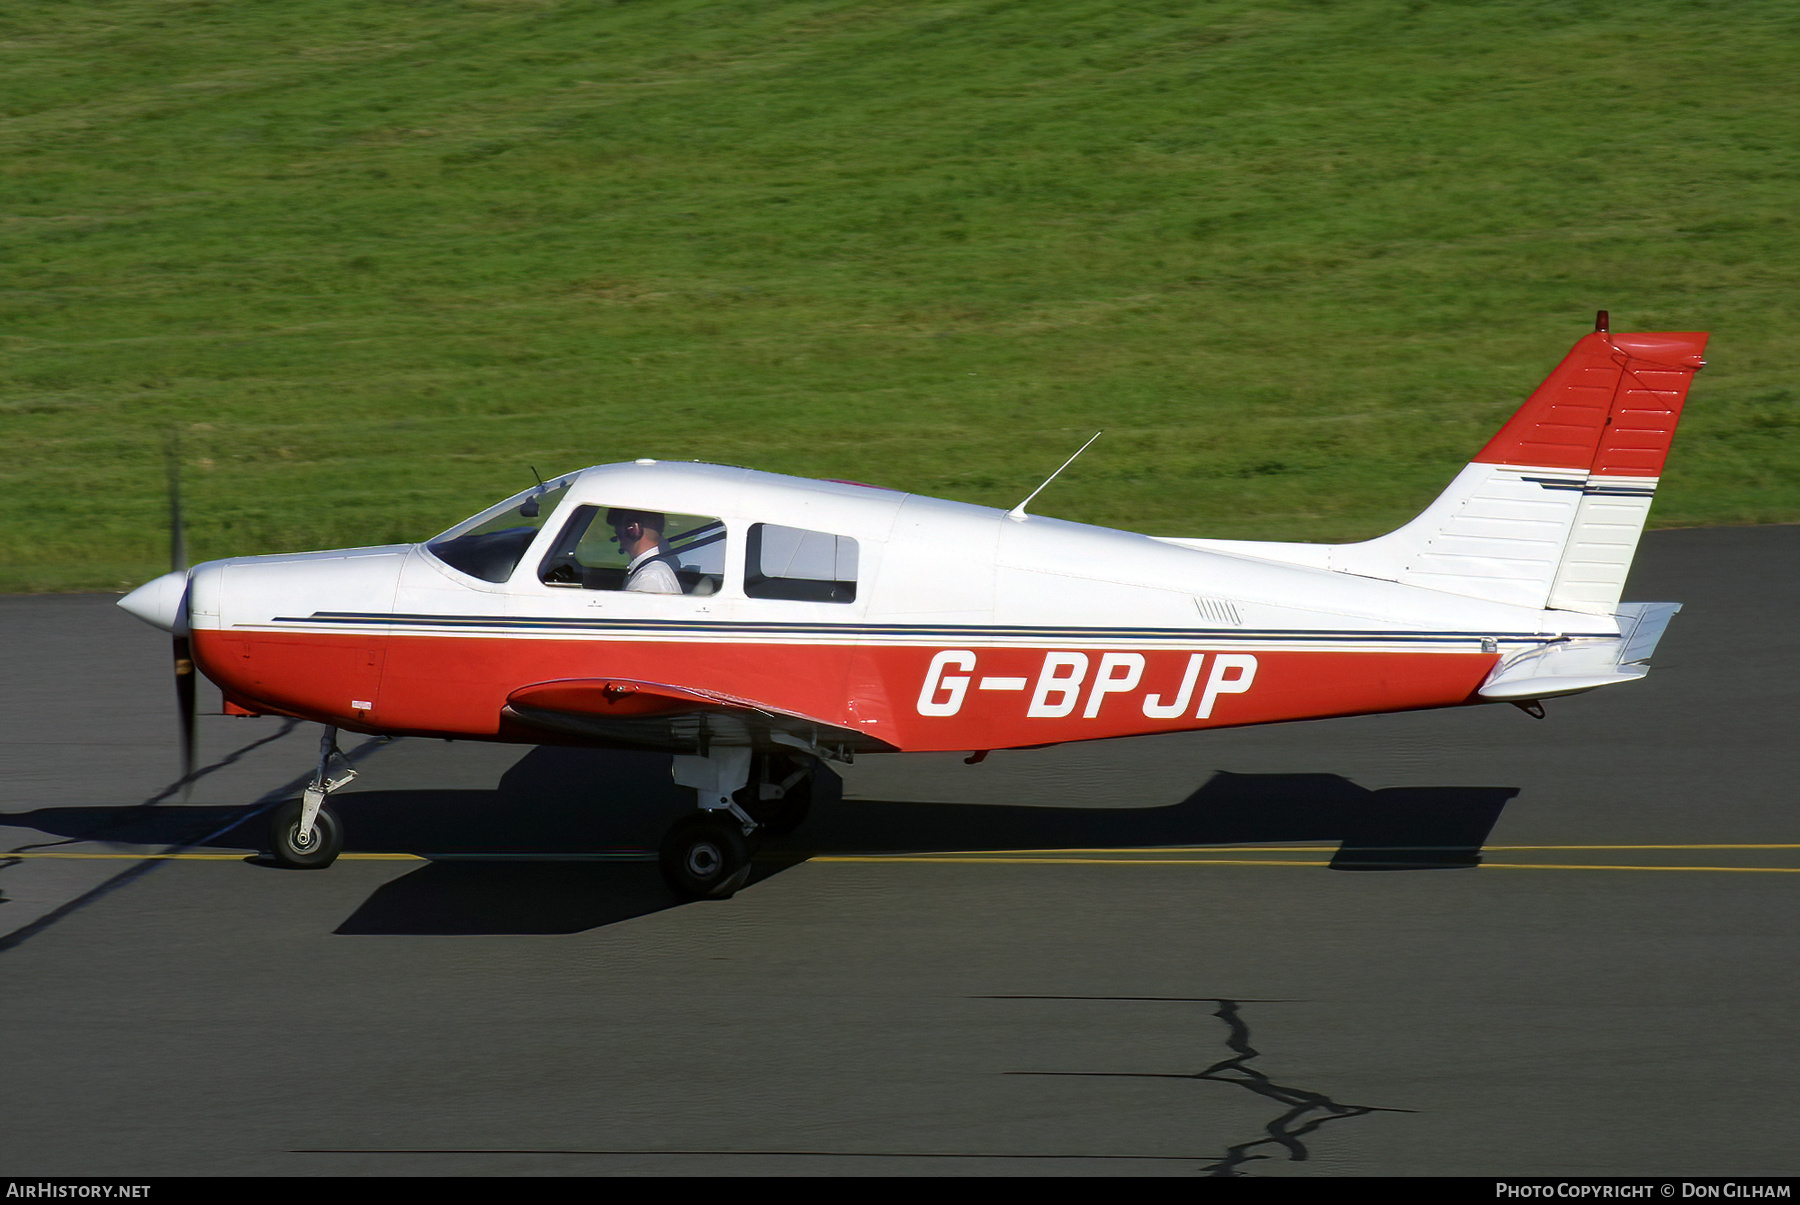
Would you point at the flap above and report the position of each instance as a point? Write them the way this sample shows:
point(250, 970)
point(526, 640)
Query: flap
point(620, 696)
point(633, 714)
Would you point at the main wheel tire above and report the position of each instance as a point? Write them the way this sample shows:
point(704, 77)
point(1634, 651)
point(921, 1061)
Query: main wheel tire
point(289, 850)
point(706, 857)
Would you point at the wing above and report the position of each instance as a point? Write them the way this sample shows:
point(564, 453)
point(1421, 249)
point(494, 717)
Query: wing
point(626, 713)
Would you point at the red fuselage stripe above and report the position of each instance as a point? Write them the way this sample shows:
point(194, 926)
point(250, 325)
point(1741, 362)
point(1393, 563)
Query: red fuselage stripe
point(917, 698)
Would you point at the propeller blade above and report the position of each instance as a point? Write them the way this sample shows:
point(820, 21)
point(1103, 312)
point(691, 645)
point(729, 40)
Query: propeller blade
point(177, 531)
point(184, 649)
point(184, 698)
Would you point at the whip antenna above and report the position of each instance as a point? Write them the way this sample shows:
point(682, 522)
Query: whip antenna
point(1017, 514)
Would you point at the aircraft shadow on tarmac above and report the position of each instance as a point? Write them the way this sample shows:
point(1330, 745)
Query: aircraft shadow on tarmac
point(493, 854)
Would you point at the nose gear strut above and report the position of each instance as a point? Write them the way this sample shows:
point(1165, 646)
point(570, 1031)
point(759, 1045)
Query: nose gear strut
point(306, 834)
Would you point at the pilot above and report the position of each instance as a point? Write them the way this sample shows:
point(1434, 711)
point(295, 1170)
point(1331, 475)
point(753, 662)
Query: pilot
point(652, 567)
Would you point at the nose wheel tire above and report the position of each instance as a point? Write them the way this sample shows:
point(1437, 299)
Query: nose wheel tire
point(317, 850)
point(706, 857)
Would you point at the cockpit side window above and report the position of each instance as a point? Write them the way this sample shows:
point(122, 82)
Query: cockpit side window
point(804, 566)
point(490, 545)
point(643, 551)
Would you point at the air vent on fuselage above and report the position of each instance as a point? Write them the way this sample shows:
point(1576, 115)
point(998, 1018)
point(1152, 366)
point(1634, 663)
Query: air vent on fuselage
point(1218, 611)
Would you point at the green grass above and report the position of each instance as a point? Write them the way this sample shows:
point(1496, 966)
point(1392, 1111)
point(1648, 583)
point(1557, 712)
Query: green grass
point(373, 260)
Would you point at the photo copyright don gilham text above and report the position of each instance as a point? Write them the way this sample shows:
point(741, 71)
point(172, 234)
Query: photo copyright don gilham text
point(1650, 1190)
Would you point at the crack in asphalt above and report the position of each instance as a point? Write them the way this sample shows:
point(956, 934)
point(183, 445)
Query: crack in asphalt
point(1303, 1111)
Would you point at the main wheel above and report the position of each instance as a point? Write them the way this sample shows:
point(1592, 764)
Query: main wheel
point(706, 857)
point(290, 849)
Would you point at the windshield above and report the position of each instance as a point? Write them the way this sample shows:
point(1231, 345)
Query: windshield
point(489, 545)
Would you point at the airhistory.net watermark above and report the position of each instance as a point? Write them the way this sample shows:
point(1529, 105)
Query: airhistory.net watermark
point(46, 1190)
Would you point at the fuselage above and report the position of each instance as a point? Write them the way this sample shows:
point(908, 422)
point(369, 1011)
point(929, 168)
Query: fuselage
point(924, 624)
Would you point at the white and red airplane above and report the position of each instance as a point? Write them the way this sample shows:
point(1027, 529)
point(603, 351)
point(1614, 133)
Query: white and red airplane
point(752, 624)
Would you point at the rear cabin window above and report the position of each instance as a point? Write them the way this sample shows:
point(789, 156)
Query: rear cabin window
point(650, 552)
point(804, 566)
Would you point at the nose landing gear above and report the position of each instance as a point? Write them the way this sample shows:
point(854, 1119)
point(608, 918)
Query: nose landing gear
point(305, 834)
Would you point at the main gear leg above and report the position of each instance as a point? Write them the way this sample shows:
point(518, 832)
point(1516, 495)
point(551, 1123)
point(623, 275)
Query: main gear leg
point(708, 855)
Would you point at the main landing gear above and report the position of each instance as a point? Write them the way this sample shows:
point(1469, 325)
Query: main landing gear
point(304, 833)
point(743, 796)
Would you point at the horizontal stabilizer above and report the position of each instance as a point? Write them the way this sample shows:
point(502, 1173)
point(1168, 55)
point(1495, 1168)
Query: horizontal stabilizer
point(1581, 663)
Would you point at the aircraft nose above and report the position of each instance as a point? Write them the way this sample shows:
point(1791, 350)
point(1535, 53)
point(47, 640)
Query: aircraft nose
point(159, 602)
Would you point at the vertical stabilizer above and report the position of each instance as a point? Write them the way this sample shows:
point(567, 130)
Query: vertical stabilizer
point(1549, 513)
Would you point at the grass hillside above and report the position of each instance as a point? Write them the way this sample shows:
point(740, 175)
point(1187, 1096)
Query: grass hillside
point(373, 260)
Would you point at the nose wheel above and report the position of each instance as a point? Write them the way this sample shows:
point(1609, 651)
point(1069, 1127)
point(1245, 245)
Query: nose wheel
point(300, 849)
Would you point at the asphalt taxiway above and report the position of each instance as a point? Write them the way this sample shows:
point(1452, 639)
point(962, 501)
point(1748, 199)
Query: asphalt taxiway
point(1465, 942)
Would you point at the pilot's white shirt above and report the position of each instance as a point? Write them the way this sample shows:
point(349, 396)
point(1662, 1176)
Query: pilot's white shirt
point(650, 573)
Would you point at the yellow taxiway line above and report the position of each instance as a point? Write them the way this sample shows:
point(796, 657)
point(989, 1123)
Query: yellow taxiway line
point(1331, 849)
point(1029, 861)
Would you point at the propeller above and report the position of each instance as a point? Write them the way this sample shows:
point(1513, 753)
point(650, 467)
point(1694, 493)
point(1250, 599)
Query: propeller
point(184, 649)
